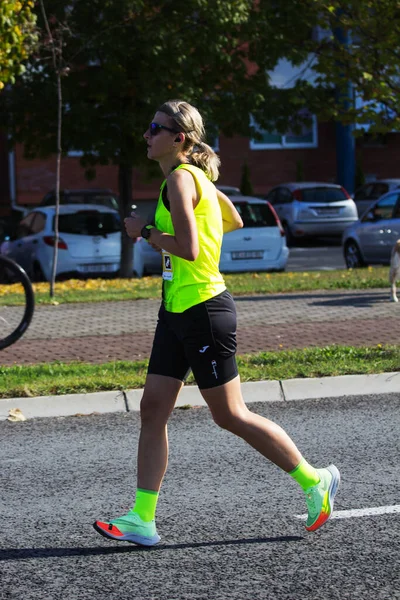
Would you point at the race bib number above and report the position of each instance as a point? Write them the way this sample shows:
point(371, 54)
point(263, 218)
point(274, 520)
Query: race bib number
point(168, 274)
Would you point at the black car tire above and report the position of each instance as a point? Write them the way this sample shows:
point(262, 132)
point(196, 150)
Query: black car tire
point(37, 273)
point(352, 255)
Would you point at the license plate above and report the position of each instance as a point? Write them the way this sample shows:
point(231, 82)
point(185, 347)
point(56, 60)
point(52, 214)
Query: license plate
point(328, 212)
point(96, 268)
point(247, 254)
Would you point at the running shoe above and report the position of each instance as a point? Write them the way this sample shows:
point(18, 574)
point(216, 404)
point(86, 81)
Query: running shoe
point(319, 498)
point(129, 528)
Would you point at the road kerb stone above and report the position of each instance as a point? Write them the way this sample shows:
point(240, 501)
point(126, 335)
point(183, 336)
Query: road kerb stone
point(253, 391)
point(343, 385)
point(66, 405)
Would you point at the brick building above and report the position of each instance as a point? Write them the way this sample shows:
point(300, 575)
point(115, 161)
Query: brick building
point(271, 162)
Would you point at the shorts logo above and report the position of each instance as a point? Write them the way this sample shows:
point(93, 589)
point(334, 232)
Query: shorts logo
point(203, 349)
point(214, 368)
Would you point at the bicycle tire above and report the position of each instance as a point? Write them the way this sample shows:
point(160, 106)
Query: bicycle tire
point(21, 277)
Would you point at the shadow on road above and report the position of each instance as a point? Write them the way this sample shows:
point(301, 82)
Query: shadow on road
point(24, 553)
point(343, 298)
point(360, 301)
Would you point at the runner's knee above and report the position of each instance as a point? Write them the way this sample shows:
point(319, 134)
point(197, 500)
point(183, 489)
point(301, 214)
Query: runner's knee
point(154, 410)
point(232, 421)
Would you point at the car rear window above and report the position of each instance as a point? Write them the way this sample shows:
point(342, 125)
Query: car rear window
point(89, 223)
point(322, 195)
point(80, 198)
point(256, 215)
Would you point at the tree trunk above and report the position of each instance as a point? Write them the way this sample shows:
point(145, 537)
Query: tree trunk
point(56, 54)
point(125, 209)
point(58, 177)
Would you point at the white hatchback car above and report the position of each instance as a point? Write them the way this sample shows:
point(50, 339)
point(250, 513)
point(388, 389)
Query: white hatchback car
point(89, 241)
point(259, 246)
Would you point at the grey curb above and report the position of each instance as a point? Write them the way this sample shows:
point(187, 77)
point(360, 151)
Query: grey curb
point(259, 391)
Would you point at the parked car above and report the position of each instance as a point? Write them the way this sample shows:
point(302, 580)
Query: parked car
point(310, 209)
point(146, 260)
point(259, 246)
point(229, 190)
point(89, 242)
point(100, 197)
point(9, 223)
point(371, 239)
point(369, 192)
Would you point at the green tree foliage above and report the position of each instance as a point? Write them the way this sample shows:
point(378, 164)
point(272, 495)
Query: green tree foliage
point(124, 58)
point(310, 33)
point(17, 37)
point(370, 61)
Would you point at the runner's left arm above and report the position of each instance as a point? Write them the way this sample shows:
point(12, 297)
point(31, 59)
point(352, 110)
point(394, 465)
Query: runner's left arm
point(231, 219)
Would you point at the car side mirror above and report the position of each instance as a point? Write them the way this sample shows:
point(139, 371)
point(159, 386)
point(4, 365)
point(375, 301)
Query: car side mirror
point(370, 216)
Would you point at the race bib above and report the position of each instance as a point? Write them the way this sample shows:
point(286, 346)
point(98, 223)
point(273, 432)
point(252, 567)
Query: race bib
point(168, 274)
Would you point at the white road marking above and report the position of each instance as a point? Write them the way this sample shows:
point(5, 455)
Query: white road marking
point(361, 512)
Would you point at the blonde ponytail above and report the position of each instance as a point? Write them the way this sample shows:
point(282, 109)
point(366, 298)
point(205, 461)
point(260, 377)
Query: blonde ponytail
point(204, 157)
point(188, 120)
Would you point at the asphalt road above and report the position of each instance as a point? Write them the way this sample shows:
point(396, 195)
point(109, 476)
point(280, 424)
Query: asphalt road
point(227, 517)
point(318, 255)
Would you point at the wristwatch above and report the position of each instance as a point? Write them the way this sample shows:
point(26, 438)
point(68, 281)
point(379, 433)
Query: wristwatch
point(145, 232)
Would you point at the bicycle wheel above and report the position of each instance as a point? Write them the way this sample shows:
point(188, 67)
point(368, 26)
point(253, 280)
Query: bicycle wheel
point(14, 320)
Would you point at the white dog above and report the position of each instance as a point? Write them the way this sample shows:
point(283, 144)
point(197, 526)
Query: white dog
point(394, 272)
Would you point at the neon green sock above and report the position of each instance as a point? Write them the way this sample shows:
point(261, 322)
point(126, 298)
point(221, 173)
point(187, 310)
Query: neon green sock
point(305, 475)
point(145, 504)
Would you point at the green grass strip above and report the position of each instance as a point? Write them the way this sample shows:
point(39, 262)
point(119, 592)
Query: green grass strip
point(71, 378)
point(103, 290)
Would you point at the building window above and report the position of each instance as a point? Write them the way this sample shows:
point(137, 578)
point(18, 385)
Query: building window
point(306, 137)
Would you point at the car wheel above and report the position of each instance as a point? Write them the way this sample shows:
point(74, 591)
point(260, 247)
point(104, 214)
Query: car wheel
point(352, 255)
point(37, 273)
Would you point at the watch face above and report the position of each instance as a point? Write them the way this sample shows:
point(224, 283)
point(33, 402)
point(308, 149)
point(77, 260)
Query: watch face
point(145, 233)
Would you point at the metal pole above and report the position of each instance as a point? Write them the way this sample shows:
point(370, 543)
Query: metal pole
point(345, 144)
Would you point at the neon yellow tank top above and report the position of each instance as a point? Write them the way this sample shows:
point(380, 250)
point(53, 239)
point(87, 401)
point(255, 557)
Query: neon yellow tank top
point(186, 283)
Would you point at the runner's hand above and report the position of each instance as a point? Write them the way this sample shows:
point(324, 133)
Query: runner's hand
point(134, 225)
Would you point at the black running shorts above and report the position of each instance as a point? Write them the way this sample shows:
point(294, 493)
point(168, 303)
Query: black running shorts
point(201, 339)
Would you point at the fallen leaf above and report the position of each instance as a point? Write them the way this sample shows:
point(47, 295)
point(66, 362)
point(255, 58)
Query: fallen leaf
point(14, 414)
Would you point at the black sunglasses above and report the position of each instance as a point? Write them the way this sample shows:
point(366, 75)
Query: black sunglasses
point(155, 129)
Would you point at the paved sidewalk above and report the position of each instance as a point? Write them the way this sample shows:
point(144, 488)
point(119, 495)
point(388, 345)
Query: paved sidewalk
point(124, 330)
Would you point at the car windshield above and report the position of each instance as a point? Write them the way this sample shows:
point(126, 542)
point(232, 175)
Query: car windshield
point(256, 215)
point(321, 195)
point(89, 223)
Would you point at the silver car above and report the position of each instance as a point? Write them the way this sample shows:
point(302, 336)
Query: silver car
point(310, 209)
point(368, 193)
point(371, 239)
